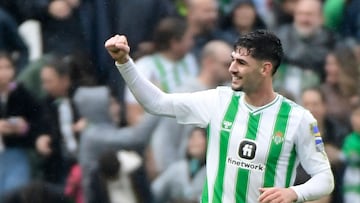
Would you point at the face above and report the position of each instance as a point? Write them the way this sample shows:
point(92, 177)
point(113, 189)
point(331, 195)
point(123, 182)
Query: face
point(355, 120)
point(7, 72)
point(332, 69)
point(204, 14)
point(245, 71)
point(312, 101)
point(308, 17)
point(184, 45)
point(54, 84)
point(244, 16)
point(220, 64)
point(197, 144)
point(289, 6)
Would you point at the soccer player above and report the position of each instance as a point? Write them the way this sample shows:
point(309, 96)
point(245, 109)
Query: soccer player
point(256, 137)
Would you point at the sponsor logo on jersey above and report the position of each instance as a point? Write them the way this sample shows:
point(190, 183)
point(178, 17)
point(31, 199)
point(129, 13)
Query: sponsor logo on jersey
point(278, 138)
point(319, 144)
point(246, 165)
point(247, 149)
point(226, 125)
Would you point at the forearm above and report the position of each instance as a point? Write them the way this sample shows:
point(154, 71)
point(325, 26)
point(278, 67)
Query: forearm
point(147, 94)
point(318, 186)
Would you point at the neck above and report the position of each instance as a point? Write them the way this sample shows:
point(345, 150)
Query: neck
point(194, 29)
point(206, 80)
point(170, 55)
point(261, 97)
point(4, 89)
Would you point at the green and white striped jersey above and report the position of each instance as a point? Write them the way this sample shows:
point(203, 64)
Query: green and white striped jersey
point(250, 148)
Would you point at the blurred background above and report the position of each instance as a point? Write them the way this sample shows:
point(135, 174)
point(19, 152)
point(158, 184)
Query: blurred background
point(71, 131)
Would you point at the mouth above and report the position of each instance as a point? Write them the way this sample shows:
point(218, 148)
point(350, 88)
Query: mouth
point(236, 78)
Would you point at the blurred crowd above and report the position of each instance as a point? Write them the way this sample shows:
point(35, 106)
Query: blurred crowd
point(70, 130)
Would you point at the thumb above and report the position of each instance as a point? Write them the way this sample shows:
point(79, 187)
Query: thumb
point(262, 190)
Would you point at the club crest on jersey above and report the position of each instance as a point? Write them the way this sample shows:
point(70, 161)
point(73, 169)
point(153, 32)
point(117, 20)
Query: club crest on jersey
point(226, 125)
point(278, 137)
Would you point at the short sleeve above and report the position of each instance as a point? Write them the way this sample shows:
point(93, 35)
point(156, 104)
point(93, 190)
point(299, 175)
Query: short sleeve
point(310, 147)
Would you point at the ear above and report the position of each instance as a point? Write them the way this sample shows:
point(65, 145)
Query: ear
point(267, 68)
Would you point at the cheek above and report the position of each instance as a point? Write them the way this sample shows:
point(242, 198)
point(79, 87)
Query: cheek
point(7, 75)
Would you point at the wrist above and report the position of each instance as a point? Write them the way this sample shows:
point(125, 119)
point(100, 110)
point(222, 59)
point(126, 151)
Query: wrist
point(123, 60)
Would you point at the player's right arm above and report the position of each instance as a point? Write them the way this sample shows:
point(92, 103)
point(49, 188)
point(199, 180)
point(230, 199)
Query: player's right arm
point(189, 108)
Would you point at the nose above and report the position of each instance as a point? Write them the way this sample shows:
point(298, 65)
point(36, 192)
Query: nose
point(232, 67)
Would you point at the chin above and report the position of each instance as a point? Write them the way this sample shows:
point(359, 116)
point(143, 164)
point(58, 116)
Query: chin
point(238, 89)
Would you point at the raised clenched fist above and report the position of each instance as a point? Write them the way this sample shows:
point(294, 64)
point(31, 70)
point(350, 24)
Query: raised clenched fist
point(118, 48)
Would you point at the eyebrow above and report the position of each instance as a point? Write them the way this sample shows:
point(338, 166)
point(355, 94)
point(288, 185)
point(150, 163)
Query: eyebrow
point(241, 61)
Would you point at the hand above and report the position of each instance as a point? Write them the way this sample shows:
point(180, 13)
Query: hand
point(80, 125)
point(333, 153)
point(118, 48)
point(60, 9)
point(19, 125)
point(43, 145)
point(5, 127)
point(277, 195)
point(74, 3)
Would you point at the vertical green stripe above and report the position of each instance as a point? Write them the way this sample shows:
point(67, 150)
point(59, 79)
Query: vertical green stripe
point(224, 141)
point(177, 75)
point(276, 144)
point(161, 69)
point(243, 174)
point(177, 69)
point(290, 169)
point(205, 194)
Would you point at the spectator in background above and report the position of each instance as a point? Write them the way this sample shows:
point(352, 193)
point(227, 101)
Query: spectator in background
point(202, 18)
point(351, 150)
point(19, 123)
point(170, 66)
point(59, 142)
point(333, 136)
point(11, 41)
point(283, 11)
point(37, 191)
point(334, 14)
point(306, 44)
point(243, 18)
point(113, 17)
point(351, 20)
point(96, 105)
point(341, 85)
point(167, 148)
point(60, 22)
point(112, 180)
point(82, 73)
point(184, 179)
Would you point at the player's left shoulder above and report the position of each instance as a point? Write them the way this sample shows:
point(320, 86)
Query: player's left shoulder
point(298, 111)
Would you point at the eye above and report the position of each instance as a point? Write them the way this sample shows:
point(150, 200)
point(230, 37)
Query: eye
point(241, 62)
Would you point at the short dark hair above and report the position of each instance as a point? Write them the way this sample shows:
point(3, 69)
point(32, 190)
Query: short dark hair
point(109, 164)
point(262, 45)
point(168, 28)
point(58, 65)
point(7, 56)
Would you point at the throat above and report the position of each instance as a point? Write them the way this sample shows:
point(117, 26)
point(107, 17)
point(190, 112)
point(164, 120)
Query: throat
point(256, 100)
